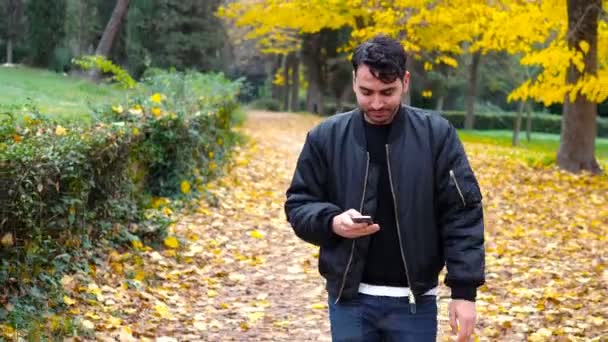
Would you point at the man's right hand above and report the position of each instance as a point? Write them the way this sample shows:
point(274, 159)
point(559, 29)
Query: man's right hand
point(344, 226)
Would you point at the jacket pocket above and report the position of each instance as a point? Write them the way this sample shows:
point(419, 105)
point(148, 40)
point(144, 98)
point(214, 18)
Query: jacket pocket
point(463, 186)
point(333, 259)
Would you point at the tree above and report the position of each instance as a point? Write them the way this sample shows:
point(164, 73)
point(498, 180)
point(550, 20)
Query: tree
point(570, 73)
point(13, 26)
point(437, 30)
point(176, 33)
point(109, 34)
point(46, 21)
point(579, 121)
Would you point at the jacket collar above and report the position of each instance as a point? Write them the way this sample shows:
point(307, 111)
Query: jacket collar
point(396, 132)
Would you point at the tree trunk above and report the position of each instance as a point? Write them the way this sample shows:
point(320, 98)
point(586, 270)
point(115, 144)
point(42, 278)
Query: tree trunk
point(579, 120)
point(517, 123)
point(345, 97)
point(285, 65)
point(276, 90)
point(295, 83)
point(107, 39)
point(13, 18)
point(469, 120)
point(9, 51)
point(529, 122)
point(311, 56)
point(440, 102)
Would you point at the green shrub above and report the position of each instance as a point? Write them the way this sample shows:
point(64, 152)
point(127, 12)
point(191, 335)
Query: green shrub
point(544, 123)
point(65, 189)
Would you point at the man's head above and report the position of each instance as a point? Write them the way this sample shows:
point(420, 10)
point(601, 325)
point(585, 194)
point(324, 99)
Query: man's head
point(380, 78)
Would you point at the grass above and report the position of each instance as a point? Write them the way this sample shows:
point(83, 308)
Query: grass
point(67, 98)
point(540, 142)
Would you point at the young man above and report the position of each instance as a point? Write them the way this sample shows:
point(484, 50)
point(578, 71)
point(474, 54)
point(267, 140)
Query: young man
point(405, 168)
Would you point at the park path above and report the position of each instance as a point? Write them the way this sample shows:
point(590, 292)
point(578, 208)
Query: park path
point(239, 273)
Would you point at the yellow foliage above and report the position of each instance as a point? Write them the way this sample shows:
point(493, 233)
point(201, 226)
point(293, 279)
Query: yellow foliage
point(185, 187)
point(442, 29)
point(7, 240)
point(156, 98)
point(172, 242)
point(60, 130)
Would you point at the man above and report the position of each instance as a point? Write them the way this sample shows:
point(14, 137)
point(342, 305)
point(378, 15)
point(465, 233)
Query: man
point(407, 169)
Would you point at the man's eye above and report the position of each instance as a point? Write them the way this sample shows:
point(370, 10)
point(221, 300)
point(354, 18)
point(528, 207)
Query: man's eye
point(366, 93)
point(387, 93)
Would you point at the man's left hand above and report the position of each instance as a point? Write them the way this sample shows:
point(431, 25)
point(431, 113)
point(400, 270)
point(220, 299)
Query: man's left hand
point(462, 318)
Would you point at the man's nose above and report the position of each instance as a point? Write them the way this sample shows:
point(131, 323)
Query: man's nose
point(376, 103)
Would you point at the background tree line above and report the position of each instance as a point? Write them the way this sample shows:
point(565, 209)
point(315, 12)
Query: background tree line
point(152, 33)
point(295, 56)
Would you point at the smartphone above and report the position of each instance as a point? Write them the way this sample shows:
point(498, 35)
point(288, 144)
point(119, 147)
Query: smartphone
point(362, 219)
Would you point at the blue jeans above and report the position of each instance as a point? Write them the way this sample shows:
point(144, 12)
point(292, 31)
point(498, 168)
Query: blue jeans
point(375, 318)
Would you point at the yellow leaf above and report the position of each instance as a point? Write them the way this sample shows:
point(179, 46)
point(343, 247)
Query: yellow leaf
point(584, 46)
point(281, 323)
point(255, 316)
point(162, 310)
point(167, 211)
point(318, 306)
point(117, 109)
point(7, 240)
point(257, 234)
point(68, 301)
point(140, 275)
point(137, 110)
point(137, 244)
point(60, 130)
point(211, 293)
point(156, 98)
point(185, 187)
point(157, 112)
point(172, 242)
point(92, 315)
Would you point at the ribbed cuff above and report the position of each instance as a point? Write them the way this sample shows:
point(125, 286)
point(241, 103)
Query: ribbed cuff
point(466, 293)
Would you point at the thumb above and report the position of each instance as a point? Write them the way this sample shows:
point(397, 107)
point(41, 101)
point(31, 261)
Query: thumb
point(453, 322)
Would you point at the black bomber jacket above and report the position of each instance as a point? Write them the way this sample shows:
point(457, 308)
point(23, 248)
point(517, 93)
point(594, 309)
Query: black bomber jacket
point(437, 201)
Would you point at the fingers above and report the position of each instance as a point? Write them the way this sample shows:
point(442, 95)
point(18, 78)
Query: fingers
point(453, 322)
point(462, 320)
point(361, 229)
point(466, 329)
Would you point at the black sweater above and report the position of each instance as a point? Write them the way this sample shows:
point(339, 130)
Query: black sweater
point(383, 265)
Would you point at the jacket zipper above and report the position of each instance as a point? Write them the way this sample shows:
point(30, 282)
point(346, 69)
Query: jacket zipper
point(464, 203)
point(412, 298)
point(352, 248)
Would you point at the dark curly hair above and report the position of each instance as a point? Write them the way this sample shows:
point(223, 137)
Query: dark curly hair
point(384, 56)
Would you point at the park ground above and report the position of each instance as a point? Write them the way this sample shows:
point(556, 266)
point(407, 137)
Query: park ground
point(239, 273)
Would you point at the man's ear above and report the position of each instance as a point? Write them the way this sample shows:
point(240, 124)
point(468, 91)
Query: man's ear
point(406, 82)
point(354, 79)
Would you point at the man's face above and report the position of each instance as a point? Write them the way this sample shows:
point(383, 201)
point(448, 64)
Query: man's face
point(378, 100)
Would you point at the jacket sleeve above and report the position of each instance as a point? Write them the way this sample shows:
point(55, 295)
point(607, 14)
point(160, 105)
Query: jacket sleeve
point(460, 217)
point(307, 207)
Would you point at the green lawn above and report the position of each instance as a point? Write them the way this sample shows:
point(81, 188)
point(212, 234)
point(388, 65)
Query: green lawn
point(541, 142)
point(64, 97)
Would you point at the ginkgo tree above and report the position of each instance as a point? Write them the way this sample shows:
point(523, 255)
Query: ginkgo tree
point(562, 37)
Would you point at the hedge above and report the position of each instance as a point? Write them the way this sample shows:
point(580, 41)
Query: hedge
point(66, 188)
point(544, 123)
